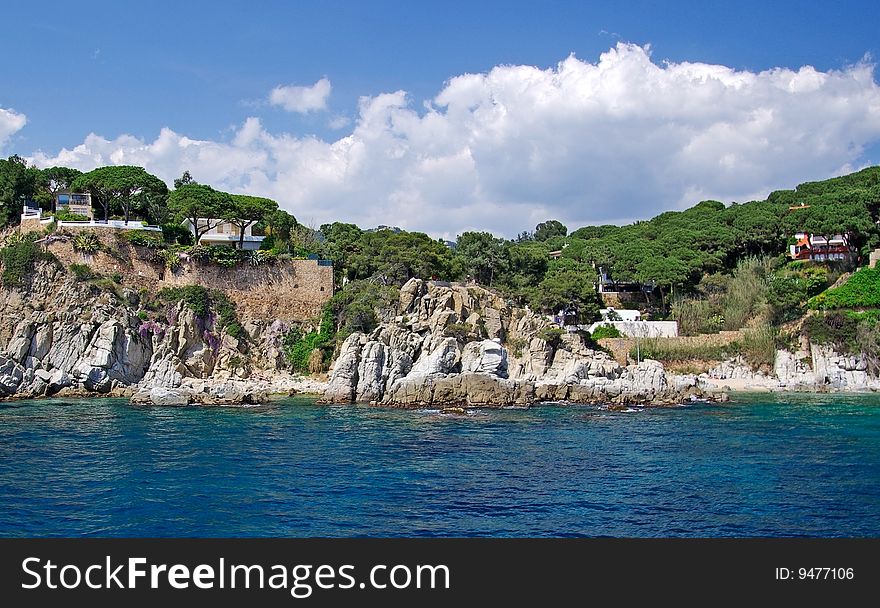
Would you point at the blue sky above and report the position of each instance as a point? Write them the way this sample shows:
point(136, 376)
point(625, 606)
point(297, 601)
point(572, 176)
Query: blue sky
point(201, 69)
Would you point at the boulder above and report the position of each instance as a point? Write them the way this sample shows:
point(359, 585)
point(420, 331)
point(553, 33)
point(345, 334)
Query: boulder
point(371, 380)
point(484, 357)
point(164, 396)
point(11, 376)
point(440, 360)
point(344, 378)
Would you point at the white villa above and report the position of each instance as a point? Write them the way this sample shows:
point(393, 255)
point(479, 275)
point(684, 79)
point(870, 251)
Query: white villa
point(74, 202)
point(32, 217)
point(225, 233)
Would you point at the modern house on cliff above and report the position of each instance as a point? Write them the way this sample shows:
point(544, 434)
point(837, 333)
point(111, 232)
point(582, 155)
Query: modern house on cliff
point(74, 202)
point(224, 233)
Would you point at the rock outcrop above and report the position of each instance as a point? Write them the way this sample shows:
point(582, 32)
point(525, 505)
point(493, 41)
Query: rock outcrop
point(814, 367)
point(66, 337)
point(412, 362)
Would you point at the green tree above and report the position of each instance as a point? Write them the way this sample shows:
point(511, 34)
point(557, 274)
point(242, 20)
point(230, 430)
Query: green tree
point(183, 180)
point(341, 241)
point(203, 206)
point(549, 229)
point(390, 257)
point(481, 255)
point(568, 285)
point(155, 205)
point(666, 272)
point(281, 224)
point(247, 210)
point(122, 185)
point(55, 180)
point(18, 183)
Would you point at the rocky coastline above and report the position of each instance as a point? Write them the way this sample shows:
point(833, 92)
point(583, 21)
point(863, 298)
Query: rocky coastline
point(410, 361)
point(61, 338)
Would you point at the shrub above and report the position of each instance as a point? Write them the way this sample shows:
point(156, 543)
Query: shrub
point(316, 361)
point(144, 238)
point(839, 329)
point(462, 332)
point(759, 345)
point(168, 258)
point(605, 331)
point(215, 254)
point(142, 315)
point(82, 272)
point(260, 257)
point(551, 335)
point(203, 302)
point(862, 290)
point(516, 346)
point(299, 349)
point(696, 316)
point(87, 243)
point(746, 295)
point(19, 258)
point(196, 297)
point(355, 308)
point(663, 349)
point(177, 234)
point(106, 284)
point(116, 278)
point(65, 215)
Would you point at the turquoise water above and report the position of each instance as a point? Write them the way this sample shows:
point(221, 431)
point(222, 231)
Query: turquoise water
point(760, 466)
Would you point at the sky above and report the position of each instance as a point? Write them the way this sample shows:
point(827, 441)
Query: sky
point(453, 116)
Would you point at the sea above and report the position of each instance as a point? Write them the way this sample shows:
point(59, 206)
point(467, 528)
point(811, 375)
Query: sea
point(763, 465)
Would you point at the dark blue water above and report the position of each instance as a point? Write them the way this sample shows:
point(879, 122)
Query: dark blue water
point(765, 465)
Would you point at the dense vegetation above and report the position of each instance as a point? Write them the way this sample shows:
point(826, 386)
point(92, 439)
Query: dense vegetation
point(862, 290)
point(19, 256)
point(711, 267)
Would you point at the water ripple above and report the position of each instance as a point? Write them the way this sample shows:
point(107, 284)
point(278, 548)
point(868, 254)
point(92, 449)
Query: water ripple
point(765, 466)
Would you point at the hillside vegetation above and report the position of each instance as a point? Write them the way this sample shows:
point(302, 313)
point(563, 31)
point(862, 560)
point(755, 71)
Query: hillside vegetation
point(711, 267)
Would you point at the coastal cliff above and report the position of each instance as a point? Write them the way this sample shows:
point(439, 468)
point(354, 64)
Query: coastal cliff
point(63, 336)
point(413, 360)
point(442, 345)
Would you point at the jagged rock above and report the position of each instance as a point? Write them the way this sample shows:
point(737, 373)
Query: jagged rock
point(20, 344)
point(410, 362)
point(460, 389)
point(485, 357)
point(232, 393)
point(371, 381)
point(493, 323)
point(343, 381)
point(164, 396)
point(838, 371)
point(439, 360)
point(410, 294)
point(166, 371)
point(11, 376)
point(736, 368)
point(58, 380)
point(42, 341)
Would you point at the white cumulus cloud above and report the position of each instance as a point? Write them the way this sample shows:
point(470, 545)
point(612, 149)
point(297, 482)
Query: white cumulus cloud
point(10, 123)
point(615, 140)
point(301, 99)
